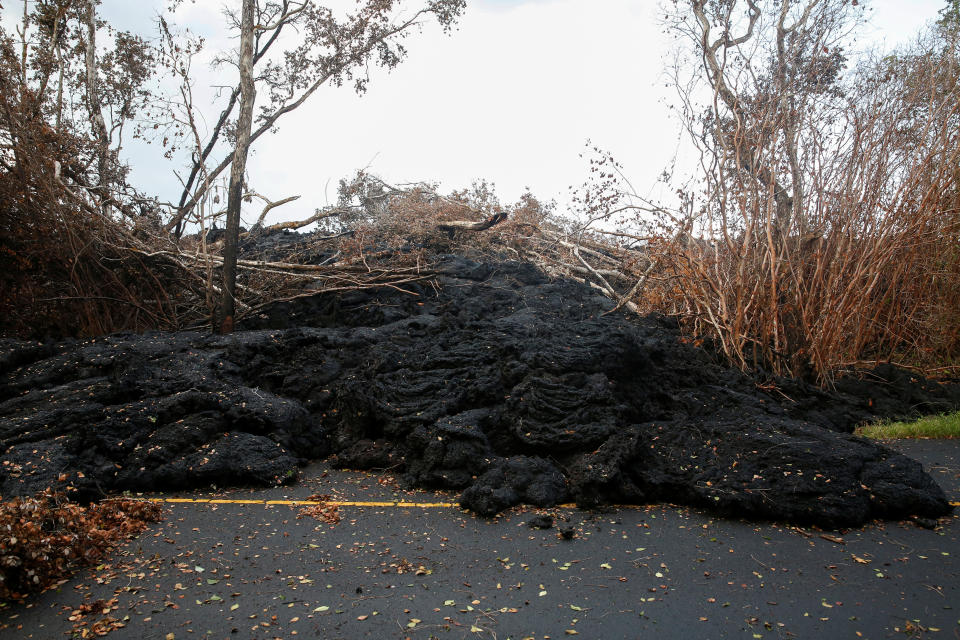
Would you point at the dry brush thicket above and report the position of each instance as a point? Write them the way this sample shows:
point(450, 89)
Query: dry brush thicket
point(823, 232)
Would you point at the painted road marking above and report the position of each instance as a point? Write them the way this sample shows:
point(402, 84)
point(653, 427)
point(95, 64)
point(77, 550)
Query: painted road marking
point(306, 503)
point(352, 503)
point(349, 503)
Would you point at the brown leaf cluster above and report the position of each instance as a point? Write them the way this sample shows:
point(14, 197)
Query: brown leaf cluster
point(45, 538)
point(324, 510)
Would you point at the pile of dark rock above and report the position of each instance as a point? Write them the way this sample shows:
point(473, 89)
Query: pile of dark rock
point(493, 379)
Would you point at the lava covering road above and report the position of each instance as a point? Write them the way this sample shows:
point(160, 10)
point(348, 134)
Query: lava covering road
point(494, 380)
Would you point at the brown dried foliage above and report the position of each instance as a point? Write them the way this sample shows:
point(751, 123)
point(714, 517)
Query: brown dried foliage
point(65, 266)
point(825, 237)
point(414, 223)
point(324, 511)
point(45, 538)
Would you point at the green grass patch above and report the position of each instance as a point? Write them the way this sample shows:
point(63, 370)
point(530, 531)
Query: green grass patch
point(943, 426)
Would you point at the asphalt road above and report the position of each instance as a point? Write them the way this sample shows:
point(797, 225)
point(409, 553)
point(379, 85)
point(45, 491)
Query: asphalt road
point(258, 570)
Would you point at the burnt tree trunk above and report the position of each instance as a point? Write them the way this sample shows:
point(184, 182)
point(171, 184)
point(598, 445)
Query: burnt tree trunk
point(248, 94)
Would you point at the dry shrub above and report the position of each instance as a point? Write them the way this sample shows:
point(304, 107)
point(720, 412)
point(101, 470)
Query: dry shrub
point(65, 262)
point(866, 289)
point(66, 273)
point(811, 305)
point(875, 278)
point(45, 538)
point(826, 236)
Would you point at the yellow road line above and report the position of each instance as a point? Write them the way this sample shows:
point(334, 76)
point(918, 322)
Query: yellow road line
point(304, 503)
point(356, 503)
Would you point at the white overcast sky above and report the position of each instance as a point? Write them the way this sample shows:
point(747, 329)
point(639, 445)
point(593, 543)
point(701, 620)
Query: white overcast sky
point(511, 96)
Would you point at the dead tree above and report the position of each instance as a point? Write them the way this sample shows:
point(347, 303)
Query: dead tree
point(248, 94)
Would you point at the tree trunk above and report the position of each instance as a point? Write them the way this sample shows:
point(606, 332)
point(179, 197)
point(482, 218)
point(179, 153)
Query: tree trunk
point(24, 44)
point(93, 100)
point(248, 94)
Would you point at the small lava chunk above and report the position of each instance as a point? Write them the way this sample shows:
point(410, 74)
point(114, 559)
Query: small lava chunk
point(542, 521)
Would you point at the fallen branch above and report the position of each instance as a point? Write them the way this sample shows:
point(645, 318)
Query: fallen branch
point(465, 225)
point(270, 206)
point(293, 225)
point(682, 232)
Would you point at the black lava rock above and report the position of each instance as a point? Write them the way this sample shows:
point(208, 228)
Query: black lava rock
point(512, 481)
point(497, 381)
point(541, 521)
